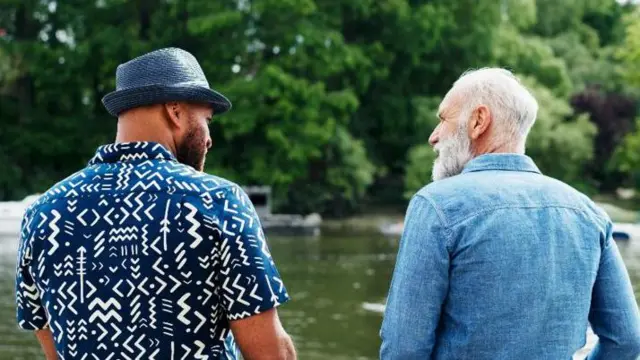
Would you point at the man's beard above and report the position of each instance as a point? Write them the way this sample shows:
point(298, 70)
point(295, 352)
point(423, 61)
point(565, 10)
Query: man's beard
point(192, 151)
point(453, 154)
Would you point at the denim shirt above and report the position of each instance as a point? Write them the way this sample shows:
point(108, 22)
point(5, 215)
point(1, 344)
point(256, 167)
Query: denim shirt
point(502, 262)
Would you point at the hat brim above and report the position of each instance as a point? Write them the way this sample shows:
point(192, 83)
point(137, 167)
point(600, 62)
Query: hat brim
point(120, 100)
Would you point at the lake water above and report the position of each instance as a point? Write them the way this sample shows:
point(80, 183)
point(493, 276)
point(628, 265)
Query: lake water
point(329, 279)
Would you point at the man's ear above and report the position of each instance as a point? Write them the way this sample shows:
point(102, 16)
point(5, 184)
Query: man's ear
point(175, 113)
point(479, 122)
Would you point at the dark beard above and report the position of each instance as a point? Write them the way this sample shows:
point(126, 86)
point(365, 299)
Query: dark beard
point(191, 152)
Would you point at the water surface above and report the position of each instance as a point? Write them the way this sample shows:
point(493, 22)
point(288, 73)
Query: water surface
point(329, 279)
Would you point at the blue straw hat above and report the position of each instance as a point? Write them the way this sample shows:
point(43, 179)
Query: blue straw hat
point(161, 76)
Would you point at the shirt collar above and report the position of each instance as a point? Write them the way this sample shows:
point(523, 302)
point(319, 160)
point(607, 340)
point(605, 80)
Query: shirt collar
point(131, 151)
point(504, 162)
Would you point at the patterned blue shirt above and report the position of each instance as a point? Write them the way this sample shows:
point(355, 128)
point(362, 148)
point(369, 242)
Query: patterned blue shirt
point(140, 257)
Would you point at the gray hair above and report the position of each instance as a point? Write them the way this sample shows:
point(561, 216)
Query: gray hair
point(512, 106)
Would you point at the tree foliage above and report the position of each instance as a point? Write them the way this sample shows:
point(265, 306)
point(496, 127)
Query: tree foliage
point(333, 100)
point(561, 144)
point(630, 51)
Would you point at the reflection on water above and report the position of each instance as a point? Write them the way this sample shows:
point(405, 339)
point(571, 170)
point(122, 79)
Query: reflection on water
point(329, 279)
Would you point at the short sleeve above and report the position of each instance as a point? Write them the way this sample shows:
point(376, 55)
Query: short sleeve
point(249, 280)
point(30, 313)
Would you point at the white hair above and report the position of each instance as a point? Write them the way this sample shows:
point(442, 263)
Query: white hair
point(512, 106)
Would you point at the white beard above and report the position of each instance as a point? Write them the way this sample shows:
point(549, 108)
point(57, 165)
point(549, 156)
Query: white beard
point(453, 154)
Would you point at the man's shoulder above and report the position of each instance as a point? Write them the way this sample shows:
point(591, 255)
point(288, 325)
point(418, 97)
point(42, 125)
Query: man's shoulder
point(207, 188)
point(463, 186)
point(72, 185)
point(466, 194)
point(151, 176)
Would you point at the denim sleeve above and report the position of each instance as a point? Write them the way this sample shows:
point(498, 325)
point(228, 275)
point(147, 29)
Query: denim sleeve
point(614, 314)
point(250, 281)
point(419, 285)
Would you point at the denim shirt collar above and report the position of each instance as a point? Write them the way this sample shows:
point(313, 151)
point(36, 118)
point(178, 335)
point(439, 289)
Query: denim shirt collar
point(504, 162)
point(131, 151)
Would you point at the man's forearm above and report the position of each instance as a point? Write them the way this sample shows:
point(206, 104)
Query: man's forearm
point(605, 350)
point(290, 351)
point(285, 351)
point(45, 337)
point(614, 314)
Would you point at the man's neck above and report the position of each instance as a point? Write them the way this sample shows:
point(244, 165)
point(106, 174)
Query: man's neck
point(169, 145)
point(141, 128)
point(496, 148)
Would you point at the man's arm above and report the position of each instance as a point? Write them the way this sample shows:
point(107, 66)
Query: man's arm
point(251, 287)
point(263, 337)
point(30, 312)
point(45, 337)
point(614, 314)
point(419, 286)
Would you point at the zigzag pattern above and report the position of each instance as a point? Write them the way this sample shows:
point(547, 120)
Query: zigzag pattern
point(152, 312)
point(32, 295)
point(74, 298)
point(195, 224)
point(185, 309)
point(138, 156)
point(243, 256)
point(199, 355)
point(239, 315)
point(55, 230)
point(112, 305)
point(124, 230)
point(138, 244)
point(140, 206)
point(139, 347)
point(146, 186)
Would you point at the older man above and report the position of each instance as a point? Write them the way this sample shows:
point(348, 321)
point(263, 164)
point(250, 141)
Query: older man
point(141, 255)
point(498, 261)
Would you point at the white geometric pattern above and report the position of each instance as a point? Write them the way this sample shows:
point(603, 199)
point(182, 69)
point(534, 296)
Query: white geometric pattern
point(140, 257)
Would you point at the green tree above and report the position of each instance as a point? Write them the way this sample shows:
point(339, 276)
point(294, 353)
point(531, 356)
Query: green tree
point(419, 168)
point(285, 69)
point(329, 97)
point(627, 157)
point(629, 52)
point(418, 49)
point(554, 129)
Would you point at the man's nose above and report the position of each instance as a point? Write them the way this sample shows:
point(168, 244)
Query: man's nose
point(433, 139)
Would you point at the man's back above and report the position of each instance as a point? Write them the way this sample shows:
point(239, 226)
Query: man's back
point(139, 256)
point(508, 259)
